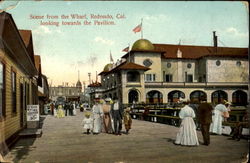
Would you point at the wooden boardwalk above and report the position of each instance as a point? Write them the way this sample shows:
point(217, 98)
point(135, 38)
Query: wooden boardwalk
point(63, 141)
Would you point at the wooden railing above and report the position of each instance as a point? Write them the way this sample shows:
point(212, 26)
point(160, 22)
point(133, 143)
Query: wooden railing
point(170, 116)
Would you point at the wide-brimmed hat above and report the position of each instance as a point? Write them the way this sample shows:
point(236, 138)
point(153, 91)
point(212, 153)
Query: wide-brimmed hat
point(127, 109)
point(102, 101)
point(87, 114)
point(227, 102)
point(108, 99)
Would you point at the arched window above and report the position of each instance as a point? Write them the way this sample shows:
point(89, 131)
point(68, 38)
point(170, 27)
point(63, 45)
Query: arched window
point(133, 96)
point(219, 96)
point(133, 76)
point(239, 98)
point(195, 96)
point(174, 96)
point(154, 97)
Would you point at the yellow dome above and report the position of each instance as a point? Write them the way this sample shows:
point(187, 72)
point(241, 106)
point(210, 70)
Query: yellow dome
point(108, 67)
point(143, 44)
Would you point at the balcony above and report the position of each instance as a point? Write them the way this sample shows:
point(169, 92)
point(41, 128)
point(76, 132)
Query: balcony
point(195, 84)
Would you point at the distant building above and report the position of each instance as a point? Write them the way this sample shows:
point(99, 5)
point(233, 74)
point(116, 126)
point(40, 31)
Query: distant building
point(69, 93)
point(95, 91)
point(43, 87)
point(18, 82)
point(162, 73)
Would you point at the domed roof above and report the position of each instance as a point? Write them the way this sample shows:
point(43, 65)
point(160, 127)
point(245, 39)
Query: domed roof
point(143, 44)
point(78, 84)
point(108, 67)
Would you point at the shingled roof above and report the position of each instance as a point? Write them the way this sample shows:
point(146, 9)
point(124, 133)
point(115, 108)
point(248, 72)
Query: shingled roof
point(126, 66)
point(28, 42)
point(38, 63)
point(195, 52)
point(130, 66)
point(95, 84)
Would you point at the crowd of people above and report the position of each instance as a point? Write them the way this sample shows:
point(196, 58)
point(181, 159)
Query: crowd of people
point(106, 116)
point(209, 121)
point(61, 110)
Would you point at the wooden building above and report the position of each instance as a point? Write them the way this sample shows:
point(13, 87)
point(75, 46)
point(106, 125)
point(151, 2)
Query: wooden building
point(18, 85)
point(43, 86)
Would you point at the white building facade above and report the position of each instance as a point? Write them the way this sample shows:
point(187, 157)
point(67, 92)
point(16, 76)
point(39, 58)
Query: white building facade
point(162, 73)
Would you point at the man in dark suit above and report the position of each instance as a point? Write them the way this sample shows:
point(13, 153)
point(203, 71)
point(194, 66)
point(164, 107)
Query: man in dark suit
point(67, 107)
point(116, 110)
point(205, 118)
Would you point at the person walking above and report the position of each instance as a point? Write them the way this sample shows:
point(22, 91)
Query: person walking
point(205, 119)
point(87, 122)
point(117, 116)
point(127, 119)
point(107, 117)
point(187, 134)
point(66, 108)
point(74, 108)
point(52, 107)
point(97, 116)
point(217, 119)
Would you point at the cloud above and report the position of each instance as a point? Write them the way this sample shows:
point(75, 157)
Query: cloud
point(92, 60)
point(158, 17)
point(58, 31)
point(103, 41)
point(234, 32)
point(41, 30)
point(80, 63)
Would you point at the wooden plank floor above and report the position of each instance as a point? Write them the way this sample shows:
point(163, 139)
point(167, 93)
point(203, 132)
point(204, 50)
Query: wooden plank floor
point(63, 141)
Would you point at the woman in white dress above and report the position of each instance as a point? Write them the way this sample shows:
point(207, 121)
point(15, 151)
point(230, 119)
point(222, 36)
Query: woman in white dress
point(187, 134)
point(97, 117)
point(74, 108)
point(217, 118)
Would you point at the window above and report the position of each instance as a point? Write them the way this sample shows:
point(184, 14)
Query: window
point(189, 65)
point(218, 63)
point(150, 77)
point(168, 65)
point(147, 62)
point(189, 78)
point(169, 78)
point(238, 63)
point(13, 90)
point(133, 76)
point(2, 89)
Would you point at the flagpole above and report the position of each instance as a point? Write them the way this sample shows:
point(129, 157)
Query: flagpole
point(128, 53)
point(141, 29)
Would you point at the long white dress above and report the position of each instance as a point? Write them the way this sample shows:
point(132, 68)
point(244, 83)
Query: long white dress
point(74, 109)
point(187, 134)
point(97, 116)
point(216, 125)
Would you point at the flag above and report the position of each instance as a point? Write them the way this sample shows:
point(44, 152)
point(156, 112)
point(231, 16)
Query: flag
point(137, 28)
point(126, 49)
point(111, 58)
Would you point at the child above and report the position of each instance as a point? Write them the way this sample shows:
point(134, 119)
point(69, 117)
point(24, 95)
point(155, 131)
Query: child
point(127, 119)
point(87, 122)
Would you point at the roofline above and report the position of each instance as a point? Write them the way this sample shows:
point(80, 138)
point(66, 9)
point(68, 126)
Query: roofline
point(20, 40)
point(201, 46)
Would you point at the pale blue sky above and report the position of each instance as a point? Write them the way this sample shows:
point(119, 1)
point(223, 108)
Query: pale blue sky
point(66, 49)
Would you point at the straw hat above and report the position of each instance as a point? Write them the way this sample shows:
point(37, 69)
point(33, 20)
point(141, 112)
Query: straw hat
point(227, 102)
point(87, 114)
point(102, 101)
point(127, 109)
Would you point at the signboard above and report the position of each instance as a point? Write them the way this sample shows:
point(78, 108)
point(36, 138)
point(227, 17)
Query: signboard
point(32, 112)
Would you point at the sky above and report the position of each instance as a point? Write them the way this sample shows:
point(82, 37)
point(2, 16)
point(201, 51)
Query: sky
point(67, 49)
